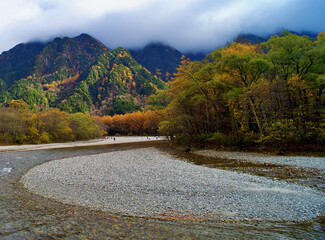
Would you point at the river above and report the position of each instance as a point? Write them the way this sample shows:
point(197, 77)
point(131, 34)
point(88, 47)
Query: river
point(24, 215)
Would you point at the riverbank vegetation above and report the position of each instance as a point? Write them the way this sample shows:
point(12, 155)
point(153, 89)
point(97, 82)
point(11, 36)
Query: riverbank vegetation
point(252, 95)
point(18, 125)
point(136, 123)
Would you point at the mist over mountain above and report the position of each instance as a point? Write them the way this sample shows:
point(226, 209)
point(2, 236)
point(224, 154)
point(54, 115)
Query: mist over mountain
point(185, 25)
point(254, 39)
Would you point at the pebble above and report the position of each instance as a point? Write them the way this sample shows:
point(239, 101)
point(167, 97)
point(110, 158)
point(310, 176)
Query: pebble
point(150, 183)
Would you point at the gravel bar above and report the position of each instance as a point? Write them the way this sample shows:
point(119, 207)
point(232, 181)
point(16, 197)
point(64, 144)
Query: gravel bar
point(149, 183)
point(298, 161)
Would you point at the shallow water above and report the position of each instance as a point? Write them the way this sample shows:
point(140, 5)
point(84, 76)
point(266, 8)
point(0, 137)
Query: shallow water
point(26, 216)
point(310, 177)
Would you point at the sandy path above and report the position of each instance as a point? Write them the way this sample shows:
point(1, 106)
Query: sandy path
point(94, 142)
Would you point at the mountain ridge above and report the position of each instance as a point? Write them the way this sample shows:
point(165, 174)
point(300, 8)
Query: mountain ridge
point(160, 59)
point(75, 74)
point(82, 74)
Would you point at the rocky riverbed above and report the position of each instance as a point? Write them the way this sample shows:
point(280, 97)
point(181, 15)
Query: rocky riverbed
point(151, 183)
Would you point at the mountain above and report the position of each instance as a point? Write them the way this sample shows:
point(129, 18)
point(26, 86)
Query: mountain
point(67, 57)
point(162, 60)
point(50, 61)
point(159, 59)
point(81, 74)
point(115, 82)
point(18, 62)
point(254, 39)
point(196, 56)
point(75, 74)
point(249, 37)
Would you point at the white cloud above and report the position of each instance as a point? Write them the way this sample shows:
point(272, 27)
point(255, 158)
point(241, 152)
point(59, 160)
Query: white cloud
point(13, 11)
point(185, 24)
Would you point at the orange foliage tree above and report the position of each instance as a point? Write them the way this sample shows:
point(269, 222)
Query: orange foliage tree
point(136, 123)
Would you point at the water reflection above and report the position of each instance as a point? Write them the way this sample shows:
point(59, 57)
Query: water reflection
point(311, 177)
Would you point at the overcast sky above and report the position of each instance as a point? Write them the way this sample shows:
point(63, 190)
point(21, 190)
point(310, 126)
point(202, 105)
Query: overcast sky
point(183, 24)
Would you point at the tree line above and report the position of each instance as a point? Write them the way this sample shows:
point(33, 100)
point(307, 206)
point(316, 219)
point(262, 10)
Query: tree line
point(136, 123)
point(19, 125)
point(269, 94)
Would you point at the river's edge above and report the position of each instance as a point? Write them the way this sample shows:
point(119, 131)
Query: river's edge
point(25, 214)
point(149, 183)
point(297, 161)
point(93, 142)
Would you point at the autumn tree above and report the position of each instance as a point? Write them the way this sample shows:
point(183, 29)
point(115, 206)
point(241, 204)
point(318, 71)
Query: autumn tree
point(158, 100)
point(83, 126)
point(19, 105)
point(245, 94)
point(12, 127)
point(136, 123)
point(243, 65)
point(56, 123)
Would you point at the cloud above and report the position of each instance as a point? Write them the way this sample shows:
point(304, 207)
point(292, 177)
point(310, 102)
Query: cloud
point(184, 24)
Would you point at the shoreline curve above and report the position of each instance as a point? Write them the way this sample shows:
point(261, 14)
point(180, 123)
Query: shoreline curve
point(93, 142)
point(150, 183)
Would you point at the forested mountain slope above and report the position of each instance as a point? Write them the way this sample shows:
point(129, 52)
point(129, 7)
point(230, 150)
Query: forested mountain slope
point(75, 74)
point(159, 59)
point(18, 62)
point(162, 60)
